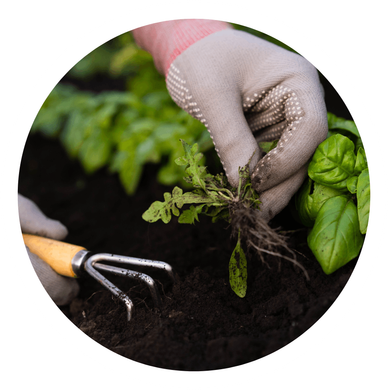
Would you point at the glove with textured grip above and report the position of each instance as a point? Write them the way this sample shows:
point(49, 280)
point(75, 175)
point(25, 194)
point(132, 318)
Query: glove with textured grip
point(246, 90)
point(61, 289)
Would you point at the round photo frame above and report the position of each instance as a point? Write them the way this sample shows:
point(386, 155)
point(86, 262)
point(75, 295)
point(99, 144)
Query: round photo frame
point(277, 361)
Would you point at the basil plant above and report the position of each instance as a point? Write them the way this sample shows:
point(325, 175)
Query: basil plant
point(334, 200)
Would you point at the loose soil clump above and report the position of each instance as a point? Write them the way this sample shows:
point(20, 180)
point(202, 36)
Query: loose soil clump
point(202, 325)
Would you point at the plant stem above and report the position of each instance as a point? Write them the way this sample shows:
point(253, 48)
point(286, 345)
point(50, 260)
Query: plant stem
point(224, 196)
point(239, 189)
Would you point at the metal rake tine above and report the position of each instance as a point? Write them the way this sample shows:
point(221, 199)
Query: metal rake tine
point(89, 268)
point(133, 275)
point(140, 263)
point(73, 260)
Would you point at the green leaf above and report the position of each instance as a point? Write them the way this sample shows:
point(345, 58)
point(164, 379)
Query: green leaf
point(310, 198)
point(195, 173)
point(333, 162)
point(361, 162)
point(95, 151)
point(158, 210)
point(268, 146)
point(238, 273)
point(363, 200)
point(351, 184)
point(335, 238)
point(181, 161)
point(172, 202)
point(359, 144)
point(334, 122)
point(146, 151)
point(141, 125)
point(191, 215)
point(74, 132)
point(129, 171)
point(303, 203)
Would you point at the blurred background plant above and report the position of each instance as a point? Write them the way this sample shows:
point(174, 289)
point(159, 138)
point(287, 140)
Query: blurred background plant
point(112, 109)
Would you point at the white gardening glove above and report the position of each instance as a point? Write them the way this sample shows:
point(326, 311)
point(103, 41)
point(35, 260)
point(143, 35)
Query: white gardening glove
point(61, 289)
point(245, 90)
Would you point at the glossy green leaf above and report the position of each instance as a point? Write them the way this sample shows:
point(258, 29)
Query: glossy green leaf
point(333, 162)
point(335, 238)
point(335, 122)
point(361, 162)
point(351, 184)
point(319, 196)
point(363, 200)
point(310, 199)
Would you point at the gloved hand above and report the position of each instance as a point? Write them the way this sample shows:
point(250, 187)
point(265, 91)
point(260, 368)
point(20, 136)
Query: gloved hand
point(246, 90)
point(61, 289)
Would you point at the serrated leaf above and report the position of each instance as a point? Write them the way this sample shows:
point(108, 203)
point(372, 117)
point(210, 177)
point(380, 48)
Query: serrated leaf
point(195, 173)
point(197, 158)
point(191, 215)
point(181, 161)
point(162, 210)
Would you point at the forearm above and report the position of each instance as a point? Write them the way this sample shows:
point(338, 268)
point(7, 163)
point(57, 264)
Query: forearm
point(166, 40)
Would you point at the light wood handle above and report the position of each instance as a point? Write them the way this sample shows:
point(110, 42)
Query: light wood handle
point(57, 254)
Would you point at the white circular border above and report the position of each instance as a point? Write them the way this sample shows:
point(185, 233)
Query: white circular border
point(308, 341)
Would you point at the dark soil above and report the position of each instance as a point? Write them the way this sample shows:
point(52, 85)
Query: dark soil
point(203, 325)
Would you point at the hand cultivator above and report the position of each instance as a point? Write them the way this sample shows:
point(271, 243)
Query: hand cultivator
point(74, 261)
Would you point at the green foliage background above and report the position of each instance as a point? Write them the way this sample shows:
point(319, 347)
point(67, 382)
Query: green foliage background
point(122, 129)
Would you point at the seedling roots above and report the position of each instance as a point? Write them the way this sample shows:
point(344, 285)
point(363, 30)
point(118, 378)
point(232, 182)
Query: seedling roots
point(259, 236)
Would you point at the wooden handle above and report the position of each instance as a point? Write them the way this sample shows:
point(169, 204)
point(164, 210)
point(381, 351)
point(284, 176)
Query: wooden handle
point(57, 254)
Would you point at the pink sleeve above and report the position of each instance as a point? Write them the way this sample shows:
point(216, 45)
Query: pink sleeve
point(166, 40)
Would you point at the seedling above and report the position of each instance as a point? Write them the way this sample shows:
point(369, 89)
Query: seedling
point(215, 197)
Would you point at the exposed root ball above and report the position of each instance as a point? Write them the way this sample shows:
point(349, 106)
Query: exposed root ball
point(259, 236)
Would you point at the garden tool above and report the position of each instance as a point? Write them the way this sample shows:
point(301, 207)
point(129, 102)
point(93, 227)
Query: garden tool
point(74, 261)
